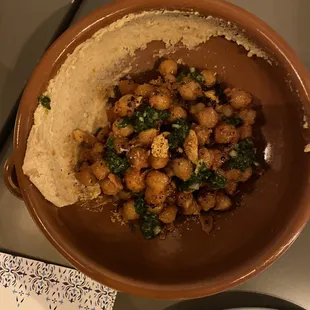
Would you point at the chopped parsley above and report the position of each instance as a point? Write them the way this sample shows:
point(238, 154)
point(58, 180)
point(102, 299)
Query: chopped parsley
point(244, 155)
point(201, 174)
point(180, 130)
point(45, 101)
point(116, 164)
point(145, 117)
point(217, 181)
point(232, 120)
point(192, 74)
point(150, 225)
point(140, 205)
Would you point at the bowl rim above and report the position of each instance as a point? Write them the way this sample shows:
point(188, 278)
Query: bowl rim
point(100, 273)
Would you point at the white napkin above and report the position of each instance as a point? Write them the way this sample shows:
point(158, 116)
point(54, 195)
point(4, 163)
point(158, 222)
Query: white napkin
point(32, 285)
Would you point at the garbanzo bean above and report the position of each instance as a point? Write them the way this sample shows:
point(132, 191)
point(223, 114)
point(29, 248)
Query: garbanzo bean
point(219, 158)
point(248, 116)
point(176, 112)
point(231, 187)
point(203, 134)
point(122, 131)
point(129, 211)
point(168, 215)
point(156, 209)
point(210, 77)
point(135, 180)
point(125, 105)
point(193, 209)
point(226, 133)
point(206, 200)
point(184, 200)
point(154, 197)
point(145, 90)
point(227, 110)
point(138, 158)
point(100, 169)
point(111, 185)
point(245, 131)
point(86, 178)
point(207, 117)
point(207, 156)
point(233, 175)
point(182, 168)
point(121, 144)
point(160, 101)
point(157, 180)
point(158, 162)
point(168, 66)
point(127, 87)
point(223, 202)
point(240, 99)
point(190, 90)
point(246, 175)
point(146, 137)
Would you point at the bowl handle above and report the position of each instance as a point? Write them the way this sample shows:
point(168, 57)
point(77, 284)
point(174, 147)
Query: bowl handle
point(10, 177)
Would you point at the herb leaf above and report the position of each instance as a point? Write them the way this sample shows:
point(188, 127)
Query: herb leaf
point(217, 181)
point(117, 164)
point(124, 122)
point(235, 121)
point(180, 130)
point(245, 156)
point(140, 205)
point(150, 226)
point(192, 74)
point(45, 101)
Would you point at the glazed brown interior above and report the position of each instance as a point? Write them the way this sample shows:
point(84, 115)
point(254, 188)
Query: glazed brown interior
point(271, 212)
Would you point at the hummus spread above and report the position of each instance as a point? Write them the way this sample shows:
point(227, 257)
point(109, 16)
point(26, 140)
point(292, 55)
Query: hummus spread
point(79, 91)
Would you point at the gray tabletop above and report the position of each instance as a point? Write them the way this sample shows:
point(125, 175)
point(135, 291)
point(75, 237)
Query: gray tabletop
point(288, 278)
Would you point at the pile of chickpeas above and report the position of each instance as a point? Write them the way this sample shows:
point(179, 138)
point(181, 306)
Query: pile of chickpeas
point(153, 168)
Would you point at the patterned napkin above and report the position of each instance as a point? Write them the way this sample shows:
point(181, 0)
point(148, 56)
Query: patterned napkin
point(32, 285)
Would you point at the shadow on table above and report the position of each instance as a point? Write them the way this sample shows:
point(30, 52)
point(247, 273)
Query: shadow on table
point(235, 299)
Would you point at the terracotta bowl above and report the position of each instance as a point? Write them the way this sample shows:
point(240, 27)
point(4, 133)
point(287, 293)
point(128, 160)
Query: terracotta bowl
point(246, 240)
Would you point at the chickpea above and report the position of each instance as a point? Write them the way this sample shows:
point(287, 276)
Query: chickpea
point(191, 146)
point(193, 209)
point(231, 187)
point(86, 178)
point(124, 195)
point(233, 175)
point(129, 211)
point(196, 108)
point(145, 90)
point(177, 112)
point(111, 115)
point(156, 209)
point(248, 116)
point(206, 200)
point(111, 185)
point(103, 133)
point(125, 106)
point(184, 200)
point(168, 215)
point(207, 117)
point(245, 131)
point(157, 180)
point(223, 202)
point(210, 77)
point(158, 162)
point(227, 110)
point(84, 155)
point(240, 99)
point(226, 133)
point(154, 197)
point(124, 132)
point(207, 156)
point(138, 158)
point(203, 135)
point(219, 158)
point(127, 87)
point(100, 169)
point(120, 144)
point(182, 168)
point(85, 166)
point(146, 137)
point(246, 175)
point(160, 101)
point(190, 90)
point(170, 78)
point(135, 180)
point(96, 153)
point(168, 66)
point(81, 136)
point(169, 170)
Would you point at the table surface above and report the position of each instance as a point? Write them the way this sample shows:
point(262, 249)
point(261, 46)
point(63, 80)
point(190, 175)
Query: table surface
point(287, 278)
